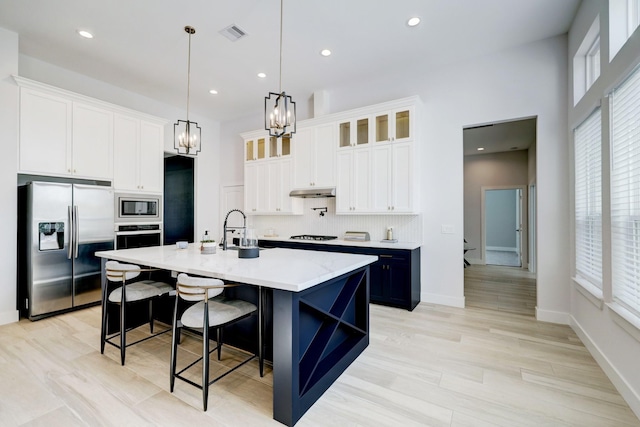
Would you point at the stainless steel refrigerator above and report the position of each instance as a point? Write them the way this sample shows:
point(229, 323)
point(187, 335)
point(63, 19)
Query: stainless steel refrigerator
point(62, 226)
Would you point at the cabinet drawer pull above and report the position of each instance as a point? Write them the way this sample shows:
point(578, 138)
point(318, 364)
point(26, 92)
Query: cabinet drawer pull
point(385, 256)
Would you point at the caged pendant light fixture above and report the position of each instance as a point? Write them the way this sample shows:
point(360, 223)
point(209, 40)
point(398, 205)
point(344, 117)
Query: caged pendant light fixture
point(186, 134)
point(279, 108)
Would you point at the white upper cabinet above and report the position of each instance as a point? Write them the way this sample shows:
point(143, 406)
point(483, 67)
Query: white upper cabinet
point(45, 133)
point(151, 156)
point(355, 132)
point(69, 135)
point(92, 142)
point(268, 175)
point(394, 126)
point(138, 154)
point(393, 178)
point(314, 159)
point(261, 146)
point(354, 185)
point(382, 180)
point(368, 154)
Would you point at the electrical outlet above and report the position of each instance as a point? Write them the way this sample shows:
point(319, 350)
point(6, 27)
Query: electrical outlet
point(446, 229)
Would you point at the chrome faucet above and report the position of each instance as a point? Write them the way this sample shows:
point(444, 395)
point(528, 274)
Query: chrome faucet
point(225, 228)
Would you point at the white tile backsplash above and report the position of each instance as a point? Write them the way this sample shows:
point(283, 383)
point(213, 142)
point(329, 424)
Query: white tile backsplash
point(406, 228)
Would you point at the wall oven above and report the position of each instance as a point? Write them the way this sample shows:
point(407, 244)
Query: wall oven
point(138, 208)
point(130, 236)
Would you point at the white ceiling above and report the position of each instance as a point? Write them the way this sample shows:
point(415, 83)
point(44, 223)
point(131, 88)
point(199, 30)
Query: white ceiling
point(141, 45)
point(498, 137)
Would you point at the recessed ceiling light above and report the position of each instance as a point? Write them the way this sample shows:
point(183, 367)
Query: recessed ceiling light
point(480, 148)
point(262, 75)
point(86, 34)
point(325, 52)
point(213, 92)
point(413, 21)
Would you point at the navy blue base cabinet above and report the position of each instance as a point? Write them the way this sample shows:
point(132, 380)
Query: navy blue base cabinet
point(395, 277)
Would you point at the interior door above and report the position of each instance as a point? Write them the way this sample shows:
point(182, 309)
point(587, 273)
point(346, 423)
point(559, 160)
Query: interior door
point(519, 222)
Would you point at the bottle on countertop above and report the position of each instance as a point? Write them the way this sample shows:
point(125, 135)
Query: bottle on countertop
point(389, 233)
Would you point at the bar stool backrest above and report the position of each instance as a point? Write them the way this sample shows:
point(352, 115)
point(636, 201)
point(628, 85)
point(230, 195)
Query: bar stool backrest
point(198, 288)
point(118, 272)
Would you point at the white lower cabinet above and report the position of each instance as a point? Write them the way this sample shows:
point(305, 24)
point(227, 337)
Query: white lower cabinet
point(138, 154)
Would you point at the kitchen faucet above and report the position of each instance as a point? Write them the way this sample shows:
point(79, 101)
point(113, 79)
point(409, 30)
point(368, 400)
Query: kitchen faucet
point(225, 228)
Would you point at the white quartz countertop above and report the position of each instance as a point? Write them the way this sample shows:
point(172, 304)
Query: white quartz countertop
point(286, 269)
point(342, 242)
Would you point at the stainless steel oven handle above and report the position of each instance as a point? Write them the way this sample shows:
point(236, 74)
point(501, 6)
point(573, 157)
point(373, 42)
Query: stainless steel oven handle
point(135, 233)
point(69, 232)
point(77, 231)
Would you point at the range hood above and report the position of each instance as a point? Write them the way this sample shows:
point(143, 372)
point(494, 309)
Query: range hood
point(313, 192)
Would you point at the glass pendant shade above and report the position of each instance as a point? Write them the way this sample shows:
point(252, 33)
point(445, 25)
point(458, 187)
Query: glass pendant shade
point(280, 114)
point(186, 137)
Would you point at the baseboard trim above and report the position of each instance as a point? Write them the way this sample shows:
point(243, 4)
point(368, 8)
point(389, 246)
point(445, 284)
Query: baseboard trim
point(442, 300)
point(559, 317)
point(9, 317)
point(626, 391)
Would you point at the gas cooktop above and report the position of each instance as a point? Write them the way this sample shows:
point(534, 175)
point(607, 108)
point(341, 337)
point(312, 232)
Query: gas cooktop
point(313, 237)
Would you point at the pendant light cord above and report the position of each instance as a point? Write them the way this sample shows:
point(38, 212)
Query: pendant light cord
point(191, 31)
point(188, 74)
point(281, 14)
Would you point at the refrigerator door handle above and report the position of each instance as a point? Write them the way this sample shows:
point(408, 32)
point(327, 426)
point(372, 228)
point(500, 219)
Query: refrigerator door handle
point(76, 230)
point(70, 232)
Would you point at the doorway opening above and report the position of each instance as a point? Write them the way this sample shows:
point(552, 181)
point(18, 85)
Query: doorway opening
point(503, 226)
point(499, 219)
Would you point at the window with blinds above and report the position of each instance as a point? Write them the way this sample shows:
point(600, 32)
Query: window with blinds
point(588, 199)
point(625, 193)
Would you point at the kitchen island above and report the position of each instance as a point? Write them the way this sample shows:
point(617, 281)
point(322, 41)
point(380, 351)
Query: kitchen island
point(320, 312)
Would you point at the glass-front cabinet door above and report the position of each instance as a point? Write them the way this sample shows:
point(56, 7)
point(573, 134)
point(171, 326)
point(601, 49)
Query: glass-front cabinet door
point(394, 125)
point(354, 132)
point(279, 147)
point(249, 150)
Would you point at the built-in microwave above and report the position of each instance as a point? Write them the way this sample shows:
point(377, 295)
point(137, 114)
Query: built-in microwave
point(138, 208)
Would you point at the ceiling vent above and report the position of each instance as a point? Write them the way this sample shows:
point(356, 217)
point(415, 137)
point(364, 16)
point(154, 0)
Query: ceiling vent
point(233, 32)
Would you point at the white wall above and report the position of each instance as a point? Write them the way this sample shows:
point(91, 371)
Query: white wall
point(527, 81)
point(615, 349)
point(8, 174)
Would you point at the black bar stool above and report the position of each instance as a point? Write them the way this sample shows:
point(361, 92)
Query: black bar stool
point(132, 289)
point(210, 310)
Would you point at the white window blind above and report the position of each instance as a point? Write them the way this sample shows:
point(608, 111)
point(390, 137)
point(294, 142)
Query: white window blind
point(588, 199)
point(625, 193)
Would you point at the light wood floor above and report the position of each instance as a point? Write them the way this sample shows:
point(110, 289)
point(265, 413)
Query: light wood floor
point(508, 289)
point(435, 366)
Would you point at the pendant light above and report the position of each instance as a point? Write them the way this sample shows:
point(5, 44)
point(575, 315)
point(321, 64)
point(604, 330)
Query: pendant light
point(279, 108)
point(187, 134)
